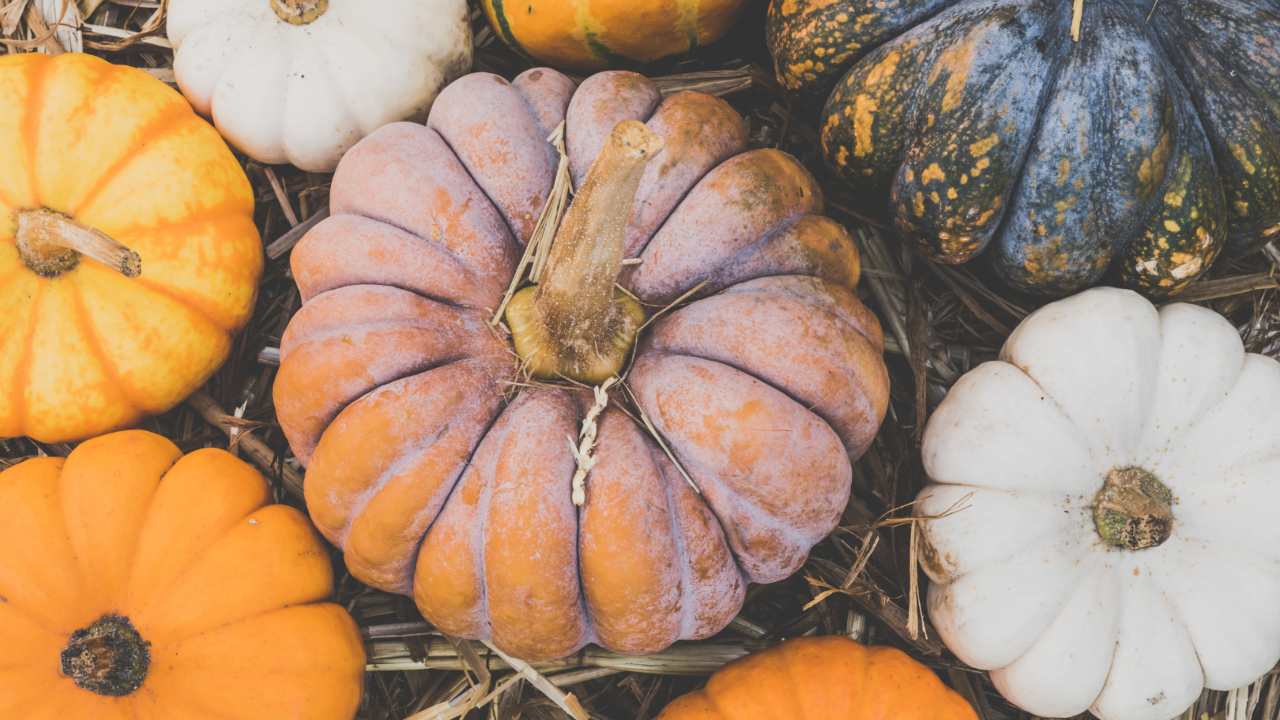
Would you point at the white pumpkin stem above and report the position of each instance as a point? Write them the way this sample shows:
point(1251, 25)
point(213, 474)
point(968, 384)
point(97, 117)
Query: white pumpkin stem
point(1133, 510)
point(300, 12)
point(51, 243)
point(575, 323)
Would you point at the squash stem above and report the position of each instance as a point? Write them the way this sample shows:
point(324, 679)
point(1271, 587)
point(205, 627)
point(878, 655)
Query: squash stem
point(576, 324)
point(300, 12)
point(1133, 510)
point(108, 658)
point(51, 243)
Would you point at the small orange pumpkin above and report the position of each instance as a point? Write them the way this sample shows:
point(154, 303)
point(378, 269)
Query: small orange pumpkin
point(822, 678)
point(441, 474)
point(128, 253)
point(138, 583)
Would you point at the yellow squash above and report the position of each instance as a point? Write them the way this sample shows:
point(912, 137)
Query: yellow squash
point(128, 253)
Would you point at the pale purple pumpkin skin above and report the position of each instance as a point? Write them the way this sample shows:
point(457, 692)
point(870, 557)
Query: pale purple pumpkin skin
point(441, 479)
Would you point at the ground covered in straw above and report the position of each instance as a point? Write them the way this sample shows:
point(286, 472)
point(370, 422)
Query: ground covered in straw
point(861, 581)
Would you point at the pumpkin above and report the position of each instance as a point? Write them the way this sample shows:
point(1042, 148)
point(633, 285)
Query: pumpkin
point(300, 81)
point(446, 472)
point(595, 34)
point(136, 582)
point(1103, 534)
point(822, 678)
point(128, 253)
point(1145, 147)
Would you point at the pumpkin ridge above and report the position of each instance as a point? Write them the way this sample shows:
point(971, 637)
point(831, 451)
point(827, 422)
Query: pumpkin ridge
point(734, 366)
point(639, 251)
point(94, 343)
point(876, 344)
point(520, 242)
point(22, 371)
point(221, 211)
point(104, 75)
point(37, 73)
point(1216, 132)
point(1047, 92)
point(397, 466)
point(682, 552)
point(163, 124)
point(183, 302)
point(461, 259)
point(731, 495)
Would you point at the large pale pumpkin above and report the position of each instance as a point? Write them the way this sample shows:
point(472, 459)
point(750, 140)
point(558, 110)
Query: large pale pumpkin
point(1146, 146)
point(1105, 534)
point(442, 474)
point(128, 253)
point(822, 678)
point(300, 81)
point(595, 34)
point(139, 584)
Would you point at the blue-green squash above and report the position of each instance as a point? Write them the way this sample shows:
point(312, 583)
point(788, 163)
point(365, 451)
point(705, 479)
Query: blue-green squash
point(1142, 148)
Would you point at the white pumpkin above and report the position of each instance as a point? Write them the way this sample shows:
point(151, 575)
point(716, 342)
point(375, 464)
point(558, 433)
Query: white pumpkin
point(1105, 532)
point(301, 81)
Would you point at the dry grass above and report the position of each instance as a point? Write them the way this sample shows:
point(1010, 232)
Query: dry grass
point(940, 322)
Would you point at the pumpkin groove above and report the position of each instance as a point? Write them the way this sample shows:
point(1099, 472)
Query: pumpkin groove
point(478, 523)
point(1134, 157)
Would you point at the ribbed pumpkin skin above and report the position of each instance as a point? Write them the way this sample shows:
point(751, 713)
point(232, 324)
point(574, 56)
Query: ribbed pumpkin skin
point(1146, 146)
point(441, 478)
point(822, 678)
point(596, 34)
point(228, 590)
point(91, 350)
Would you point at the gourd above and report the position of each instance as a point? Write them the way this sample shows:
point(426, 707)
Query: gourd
point(444, 465)
point(822, 678)
point(1103, 535)
point(985, 128)
point(595, 34)
point(137, 582)
point(300, 81)
point(128, 253)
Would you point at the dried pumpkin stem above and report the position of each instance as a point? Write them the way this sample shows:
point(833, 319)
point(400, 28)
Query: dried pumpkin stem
point(576, 324)
point(109, 657)
point(51, 243)
point(1133, 510)
point(299, 12)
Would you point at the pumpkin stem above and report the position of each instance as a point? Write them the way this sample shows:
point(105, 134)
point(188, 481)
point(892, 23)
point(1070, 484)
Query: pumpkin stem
point(576, 323)
point(300, 12)
point(108, 658)
point(51, 243)
point(1133, 510)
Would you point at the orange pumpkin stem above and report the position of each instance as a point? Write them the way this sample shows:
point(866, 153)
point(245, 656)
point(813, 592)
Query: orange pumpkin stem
point(576, 324)
point(51, 243)
point(300, 12)
point(108, 658)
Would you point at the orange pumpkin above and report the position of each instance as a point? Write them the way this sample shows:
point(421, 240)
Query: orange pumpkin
point(442, 474)
point(822, 678)
point(138, 583)
point(128, 253)
point(595, 34)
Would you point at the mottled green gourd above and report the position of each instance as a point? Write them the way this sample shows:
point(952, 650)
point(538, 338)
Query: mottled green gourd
point(1138, 147)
